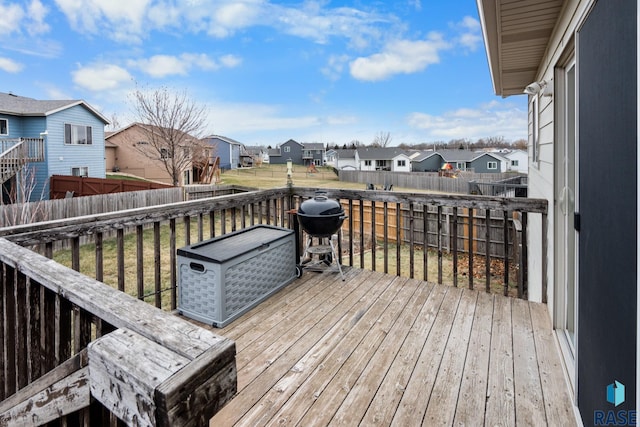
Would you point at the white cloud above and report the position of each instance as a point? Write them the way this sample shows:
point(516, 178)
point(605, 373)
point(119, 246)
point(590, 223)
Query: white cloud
point(37, 13)
point(470, 36)
point(99, 77)
point(10, 66)
point(12, 16)
point(497, 120)
point(159, 66)
point(335, 66)
point(319, 24)
point(230, 61)
point(399, 57)
point(121, 20)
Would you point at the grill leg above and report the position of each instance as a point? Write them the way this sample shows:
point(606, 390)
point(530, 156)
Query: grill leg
point(335, 256)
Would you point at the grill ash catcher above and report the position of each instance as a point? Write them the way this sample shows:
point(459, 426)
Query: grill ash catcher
point(321, 218)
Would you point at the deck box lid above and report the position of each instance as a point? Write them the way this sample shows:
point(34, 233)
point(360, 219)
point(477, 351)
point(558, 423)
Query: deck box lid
point(224, 248)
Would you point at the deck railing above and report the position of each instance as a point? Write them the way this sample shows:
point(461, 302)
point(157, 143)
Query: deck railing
point(15, 153)
point(55, 315)
point(78, 350)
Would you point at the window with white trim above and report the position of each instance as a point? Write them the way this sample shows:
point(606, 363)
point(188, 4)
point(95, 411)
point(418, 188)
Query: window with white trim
point(77, 135)
point(287, 149)
point(4, 127)
point(402, 163)
point(492, 165)
point(515, 163)
point(80, 171)
point(367, 162)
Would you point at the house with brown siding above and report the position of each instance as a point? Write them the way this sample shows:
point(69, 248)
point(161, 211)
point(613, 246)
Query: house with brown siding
point(127, 151)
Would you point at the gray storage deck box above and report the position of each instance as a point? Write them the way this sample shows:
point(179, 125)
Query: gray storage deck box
point(224, 277)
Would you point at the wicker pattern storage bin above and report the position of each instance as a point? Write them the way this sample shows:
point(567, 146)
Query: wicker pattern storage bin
point(222, 278)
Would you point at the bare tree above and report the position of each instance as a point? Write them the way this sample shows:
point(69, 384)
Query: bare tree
point(15, 205)
point(173, 124)
point(382, 139)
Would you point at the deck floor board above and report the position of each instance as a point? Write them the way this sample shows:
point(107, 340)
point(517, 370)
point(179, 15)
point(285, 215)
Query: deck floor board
point(379, 350)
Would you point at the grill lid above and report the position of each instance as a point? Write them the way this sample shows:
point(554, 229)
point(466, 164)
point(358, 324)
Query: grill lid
point(320, 205)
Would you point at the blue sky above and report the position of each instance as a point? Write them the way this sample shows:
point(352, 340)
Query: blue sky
point(268, 71)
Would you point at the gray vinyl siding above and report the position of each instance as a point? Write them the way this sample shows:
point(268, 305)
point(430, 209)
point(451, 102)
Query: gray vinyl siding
point(481, 164)
point(429, 164)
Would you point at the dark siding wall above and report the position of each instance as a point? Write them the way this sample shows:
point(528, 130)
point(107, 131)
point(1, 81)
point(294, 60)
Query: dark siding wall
point(607, 329)
point(430, 164)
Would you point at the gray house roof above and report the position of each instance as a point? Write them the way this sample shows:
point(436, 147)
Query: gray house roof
point(345, 154)
point(22, 106)
point(313, 146)
point(224, 138)
point(379, 153)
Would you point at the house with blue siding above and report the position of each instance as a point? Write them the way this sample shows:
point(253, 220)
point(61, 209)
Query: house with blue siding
point(232, 154)
point(70, 132)
point(464, 160)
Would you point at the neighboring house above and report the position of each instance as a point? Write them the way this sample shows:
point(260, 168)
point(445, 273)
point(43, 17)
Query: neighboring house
point(300, 154)
point(258, 154)
point(577, 61)
point(313, 152)
point(232, 154)
point(72, 132)
point(464, 160)
point(518, 161)
point(342, 159)
point(382, 159)
point(124, 153)
point(290, 150)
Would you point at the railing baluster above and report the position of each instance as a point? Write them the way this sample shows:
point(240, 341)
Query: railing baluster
point(411, 242)
point(157, 277)
point(200, 227)
point(351, 213)
point(398, 238)
point(506, 252)
point(75, 253)
point(425, 242)
point(120, 258)
point(99, 256)
point(487, 245)
point(63, 327)
point(140, 261)
point(386, 237)
point(21, 299)
point(470, 252)
point(223, 222)
point(439, 244)
point(454, 245)
point(173, 274)
point(34, 331)
point(373, 235)
point(48, 341)
point(361, 233)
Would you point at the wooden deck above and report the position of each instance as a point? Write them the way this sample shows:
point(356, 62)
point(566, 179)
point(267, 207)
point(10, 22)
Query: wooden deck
point(383, 350)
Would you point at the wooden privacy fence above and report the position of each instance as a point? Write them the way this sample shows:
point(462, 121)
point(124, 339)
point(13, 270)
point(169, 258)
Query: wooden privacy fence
point(399, 228)
point(419, 180)
point(47, 210)
point(62, 185)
